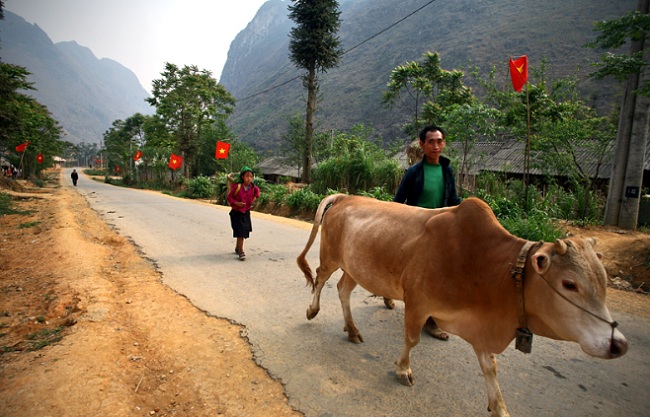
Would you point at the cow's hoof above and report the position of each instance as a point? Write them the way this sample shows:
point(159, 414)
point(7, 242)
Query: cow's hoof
point(389, 303)
point(355, 338)
point(311, 313)
point(406, 378)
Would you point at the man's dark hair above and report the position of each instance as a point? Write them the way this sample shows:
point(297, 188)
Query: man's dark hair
point(430, 128)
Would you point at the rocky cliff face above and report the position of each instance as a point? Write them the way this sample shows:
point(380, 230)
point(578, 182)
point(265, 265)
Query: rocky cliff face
point(466, 33)
point(83, 93)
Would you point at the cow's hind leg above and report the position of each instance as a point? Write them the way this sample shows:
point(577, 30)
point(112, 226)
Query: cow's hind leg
point(345, 286)
point(496, 404)
point(413, 321)
point(322, 275)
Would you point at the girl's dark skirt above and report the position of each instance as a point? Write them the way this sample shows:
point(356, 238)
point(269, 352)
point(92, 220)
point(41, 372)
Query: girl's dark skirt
point(241, 223)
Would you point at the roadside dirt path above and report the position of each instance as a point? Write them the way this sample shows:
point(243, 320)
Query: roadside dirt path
point(116, 340)
point(88, 329)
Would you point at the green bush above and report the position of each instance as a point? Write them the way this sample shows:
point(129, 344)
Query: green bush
point(379, 193)
point(278, 194)
point(95, 172)
point(537, 225)
point(200, 187)
point(305, 200)
point(6, 204)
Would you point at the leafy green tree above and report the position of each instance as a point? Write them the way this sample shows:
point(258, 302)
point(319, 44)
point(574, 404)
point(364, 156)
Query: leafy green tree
point(83, 153)
point(188, 103)
point(623, 197)
point(426, 90)
point(466, 123)
point(632, 27)
point(23, 119)
point(122, 141)
point(573, 138)
point(12, 79)
point(314, 47)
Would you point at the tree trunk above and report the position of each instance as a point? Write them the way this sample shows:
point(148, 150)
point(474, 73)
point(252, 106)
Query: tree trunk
point(312, 87)
point(623, 197)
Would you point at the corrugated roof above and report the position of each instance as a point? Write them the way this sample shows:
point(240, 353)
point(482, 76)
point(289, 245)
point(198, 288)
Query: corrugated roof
point(277, 165)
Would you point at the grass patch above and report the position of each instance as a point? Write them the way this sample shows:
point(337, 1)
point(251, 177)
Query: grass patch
point(7, 205)
point(27, 225)
point(40, 339)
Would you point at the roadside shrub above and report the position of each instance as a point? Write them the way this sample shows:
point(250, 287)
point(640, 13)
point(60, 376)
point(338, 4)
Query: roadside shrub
point(95, 172)
point(536, 225)
point(6, 204)
point(305, 200)
point(378, 193)
point(271, 193)
point(278, 194)
point(200, 187)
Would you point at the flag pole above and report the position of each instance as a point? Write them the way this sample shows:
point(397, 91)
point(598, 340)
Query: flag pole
point(527, 156)
point(22, 169)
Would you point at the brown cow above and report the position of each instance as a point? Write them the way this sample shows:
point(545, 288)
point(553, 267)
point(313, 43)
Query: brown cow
point(455, 264)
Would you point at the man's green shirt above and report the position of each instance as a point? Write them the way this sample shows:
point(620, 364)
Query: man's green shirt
point(434, 187)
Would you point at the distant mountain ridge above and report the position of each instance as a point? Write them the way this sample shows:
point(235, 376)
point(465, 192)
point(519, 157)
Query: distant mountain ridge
point(84, 93)
point(484, 33)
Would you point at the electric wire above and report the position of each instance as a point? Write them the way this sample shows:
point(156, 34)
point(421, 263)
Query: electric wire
point(342, 54)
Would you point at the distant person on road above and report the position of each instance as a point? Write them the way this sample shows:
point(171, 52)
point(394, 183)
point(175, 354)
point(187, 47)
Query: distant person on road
point(430, 184)
point(241, 197)
point(75, 177)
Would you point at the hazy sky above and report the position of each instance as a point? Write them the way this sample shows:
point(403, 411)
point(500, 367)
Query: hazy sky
point(144, 34)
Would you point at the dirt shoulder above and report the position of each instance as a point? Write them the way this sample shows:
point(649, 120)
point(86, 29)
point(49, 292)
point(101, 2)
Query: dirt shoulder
point(87, 327)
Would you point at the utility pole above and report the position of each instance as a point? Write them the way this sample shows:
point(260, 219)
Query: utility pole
point(624, 195)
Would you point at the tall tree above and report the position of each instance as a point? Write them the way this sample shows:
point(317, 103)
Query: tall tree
point(623, 197)
point(23, 119)
point(314, 47)
point(188, 102)
point(122, 140)
point(426, 90)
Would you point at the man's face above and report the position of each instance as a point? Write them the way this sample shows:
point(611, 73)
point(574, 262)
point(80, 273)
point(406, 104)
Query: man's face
point(432, 146)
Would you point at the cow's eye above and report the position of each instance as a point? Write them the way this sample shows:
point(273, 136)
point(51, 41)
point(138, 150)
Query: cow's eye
point(569, 286)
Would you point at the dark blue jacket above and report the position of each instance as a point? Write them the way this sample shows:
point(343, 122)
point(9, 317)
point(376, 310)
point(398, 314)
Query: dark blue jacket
point(410, 188)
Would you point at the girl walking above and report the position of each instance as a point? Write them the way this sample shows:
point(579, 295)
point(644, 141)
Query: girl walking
point(241, 198)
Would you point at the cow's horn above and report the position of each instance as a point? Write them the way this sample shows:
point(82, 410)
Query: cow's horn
point(560, 247)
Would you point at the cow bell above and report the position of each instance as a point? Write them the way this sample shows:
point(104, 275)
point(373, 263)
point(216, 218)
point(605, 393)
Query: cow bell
point(524, 341)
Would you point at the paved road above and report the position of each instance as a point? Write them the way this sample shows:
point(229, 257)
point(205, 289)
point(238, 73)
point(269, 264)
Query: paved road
point(325, 375)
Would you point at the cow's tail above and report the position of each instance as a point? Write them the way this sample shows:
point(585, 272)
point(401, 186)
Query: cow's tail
point(324, 205)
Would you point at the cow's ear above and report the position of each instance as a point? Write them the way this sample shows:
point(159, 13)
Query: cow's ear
point(541, 262)
point(592, 241)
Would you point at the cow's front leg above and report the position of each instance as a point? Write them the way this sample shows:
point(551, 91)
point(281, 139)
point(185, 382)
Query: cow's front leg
point(413, 322)
point(321, 279)
point(345, 286)
point(496, 404)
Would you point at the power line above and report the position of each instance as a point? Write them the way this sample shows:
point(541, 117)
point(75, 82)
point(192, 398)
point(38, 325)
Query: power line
point(344, 52)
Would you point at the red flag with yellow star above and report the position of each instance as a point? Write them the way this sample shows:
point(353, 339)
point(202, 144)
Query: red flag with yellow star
point(519, 72)
point(222, 150)
point(137, 155)
point(175, 162)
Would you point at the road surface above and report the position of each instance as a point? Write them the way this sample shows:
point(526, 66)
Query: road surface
point(324, 374)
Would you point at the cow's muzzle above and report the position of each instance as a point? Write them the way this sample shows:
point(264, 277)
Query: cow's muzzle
point(618, 343)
